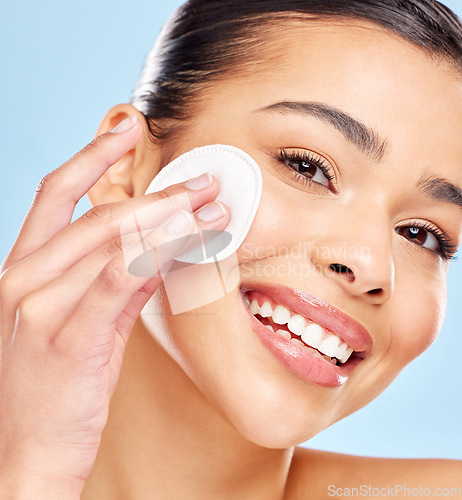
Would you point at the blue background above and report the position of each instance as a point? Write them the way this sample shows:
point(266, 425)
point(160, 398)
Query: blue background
point(64, 64)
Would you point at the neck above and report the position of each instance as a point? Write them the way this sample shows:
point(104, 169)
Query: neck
point(163, 436)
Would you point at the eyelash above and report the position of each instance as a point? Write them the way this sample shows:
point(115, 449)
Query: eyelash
point(306, 157)
point(447, 249)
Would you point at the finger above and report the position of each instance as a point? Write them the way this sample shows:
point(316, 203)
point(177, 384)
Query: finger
point(58, 192)
point(216, 212)
point(97, 271)
point(124, 326)
point(98, 227)
point(97, 313)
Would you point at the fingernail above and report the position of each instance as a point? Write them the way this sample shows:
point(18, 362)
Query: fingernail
point(124, 125)
point(202, 182)
point(211, 212)
point(180, 223)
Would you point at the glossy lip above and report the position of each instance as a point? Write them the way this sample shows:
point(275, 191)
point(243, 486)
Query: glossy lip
point(297, 358)
point(321, 312)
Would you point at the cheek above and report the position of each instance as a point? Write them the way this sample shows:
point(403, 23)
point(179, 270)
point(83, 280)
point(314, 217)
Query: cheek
point(275, 228)
point(269, 221)
point(417, 318)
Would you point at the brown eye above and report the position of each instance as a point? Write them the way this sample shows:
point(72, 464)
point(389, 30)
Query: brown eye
point(307, 167)
point(310, 170)
point(419, 236)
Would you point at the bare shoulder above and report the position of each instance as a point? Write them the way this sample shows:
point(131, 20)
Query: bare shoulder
point(319, 475)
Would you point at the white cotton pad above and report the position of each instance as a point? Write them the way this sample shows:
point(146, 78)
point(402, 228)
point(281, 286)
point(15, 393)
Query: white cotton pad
point(240, 189)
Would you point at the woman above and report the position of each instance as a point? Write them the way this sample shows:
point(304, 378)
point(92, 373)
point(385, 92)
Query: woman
point(333, 100)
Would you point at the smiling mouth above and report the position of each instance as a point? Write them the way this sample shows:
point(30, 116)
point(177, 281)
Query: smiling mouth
point(281, 320)
point(310, 336)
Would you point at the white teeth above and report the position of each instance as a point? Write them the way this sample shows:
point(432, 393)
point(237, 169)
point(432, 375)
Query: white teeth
point(284, 333)
point(313, 334)
point(341, 350)
point(296, 324)
point(347, 355)
point(265, 310)
point(254, 307)
point(298, 342)
point(281, 315)
point(329, 345)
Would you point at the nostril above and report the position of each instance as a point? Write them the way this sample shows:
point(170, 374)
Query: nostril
point(375, 291)
point(341, 269)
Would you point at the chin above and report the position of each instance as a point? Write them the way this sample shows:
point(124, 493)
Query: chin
point(271, 426)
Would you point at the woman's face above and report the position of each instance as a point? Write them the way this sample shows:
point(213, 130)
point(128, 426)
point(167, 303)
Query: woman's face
point(378, 209)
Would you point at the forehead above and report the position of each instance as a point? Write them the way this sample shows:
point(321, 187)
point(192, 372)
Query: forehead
point(413, 99)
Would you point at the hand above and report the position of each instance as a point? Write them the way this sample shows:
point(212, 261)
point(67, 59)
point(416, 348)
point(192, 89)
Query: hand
point(68, 305)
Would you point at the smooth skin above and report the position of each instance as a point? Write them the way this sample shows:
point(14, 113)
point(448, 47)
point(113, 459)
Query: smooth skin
point(202, 410)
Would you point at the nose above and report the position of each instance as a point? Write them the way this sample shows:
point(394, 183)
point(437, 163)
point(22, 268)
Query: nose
point(358, 258)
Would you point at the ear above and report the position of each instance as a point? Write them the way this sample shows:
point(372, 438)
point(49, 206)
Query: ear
point(131, 175)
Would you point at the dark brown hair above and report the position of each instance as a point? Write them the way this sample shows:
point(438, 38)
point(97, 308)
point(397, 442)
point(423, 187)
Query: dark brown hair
point(206, 39)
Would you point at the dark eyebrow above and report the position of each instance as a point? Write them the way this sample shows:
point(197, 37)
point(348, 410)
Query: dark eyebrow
point(441, 189)
point(356, 132)
point(368, 142)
